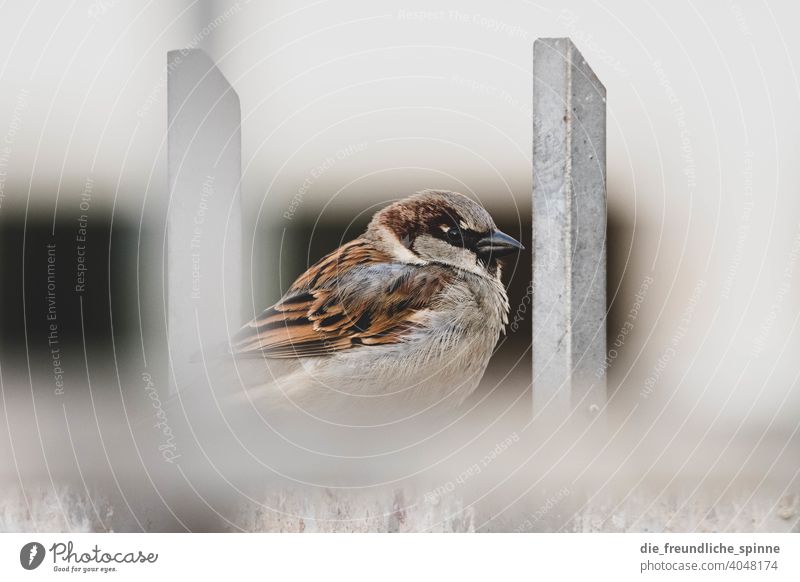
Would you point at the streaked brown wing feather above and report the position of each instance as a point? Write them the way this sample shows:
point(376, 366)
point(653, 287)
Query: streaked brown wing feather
point(352, 297)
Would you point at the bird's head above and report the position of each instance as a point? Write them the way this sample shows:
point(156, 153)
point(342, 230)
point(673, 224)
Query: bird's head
point(438, 226)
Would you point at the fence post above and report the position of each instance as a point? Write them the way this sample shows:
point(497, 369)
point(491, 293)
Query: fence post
point(569, 233)
point(204, 224)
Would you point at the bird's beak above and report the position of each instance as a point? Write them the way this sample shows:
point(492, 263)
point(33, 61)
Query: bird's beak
point(498, 244)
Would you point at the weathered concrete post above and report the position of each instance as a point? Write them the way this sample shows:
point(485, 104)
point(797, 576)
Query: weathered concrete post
point(204, 236)
point(569, 233)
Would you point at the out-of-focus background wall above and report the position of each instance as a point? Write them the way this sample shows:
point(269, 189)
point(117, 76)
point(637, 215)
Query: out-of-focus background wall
point(347, 105)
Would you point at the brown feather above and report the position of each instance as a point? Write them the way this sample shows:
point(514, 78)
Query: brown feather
point(355, 296)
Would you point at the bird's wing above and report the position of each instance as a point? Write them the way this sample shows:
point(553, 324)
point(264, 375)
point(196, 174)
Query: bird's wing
point(353, 297)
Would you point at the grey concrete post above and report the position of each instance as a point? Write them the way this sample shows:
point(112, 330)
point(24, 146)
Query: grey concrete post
point(204, 236)
point(569, 233)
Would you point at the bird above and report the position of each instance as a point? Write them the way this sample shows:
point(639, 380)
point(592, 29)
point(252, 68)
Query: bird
point(406, 314)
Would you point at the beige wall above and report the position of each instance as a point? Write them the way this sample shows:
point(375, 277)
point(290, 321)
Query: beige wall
point(703, 140)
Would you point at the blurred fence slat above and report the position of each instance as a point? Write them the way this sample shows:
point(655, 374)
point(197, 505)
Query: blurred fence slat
point(204, 241)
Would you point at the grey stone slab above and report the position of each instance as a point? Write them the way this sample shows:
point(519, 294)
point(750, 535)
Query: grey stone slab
point(569, 233)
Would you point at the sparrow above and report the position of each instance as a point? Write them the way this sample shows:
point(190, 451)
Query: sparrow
point(408, 312)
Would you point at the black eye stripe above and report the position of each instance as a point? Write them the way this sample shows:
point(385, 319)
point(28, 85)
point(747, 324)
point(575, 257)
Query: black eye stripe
point(458, 237)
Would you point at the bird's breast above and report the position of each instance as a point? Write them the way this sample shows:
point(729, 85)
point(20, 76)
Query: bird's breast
point(446, 356)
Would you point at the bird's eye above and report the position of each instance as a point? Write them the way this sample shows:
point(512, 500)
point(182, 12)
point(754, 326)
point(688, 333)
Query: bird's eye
point(454, 234)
